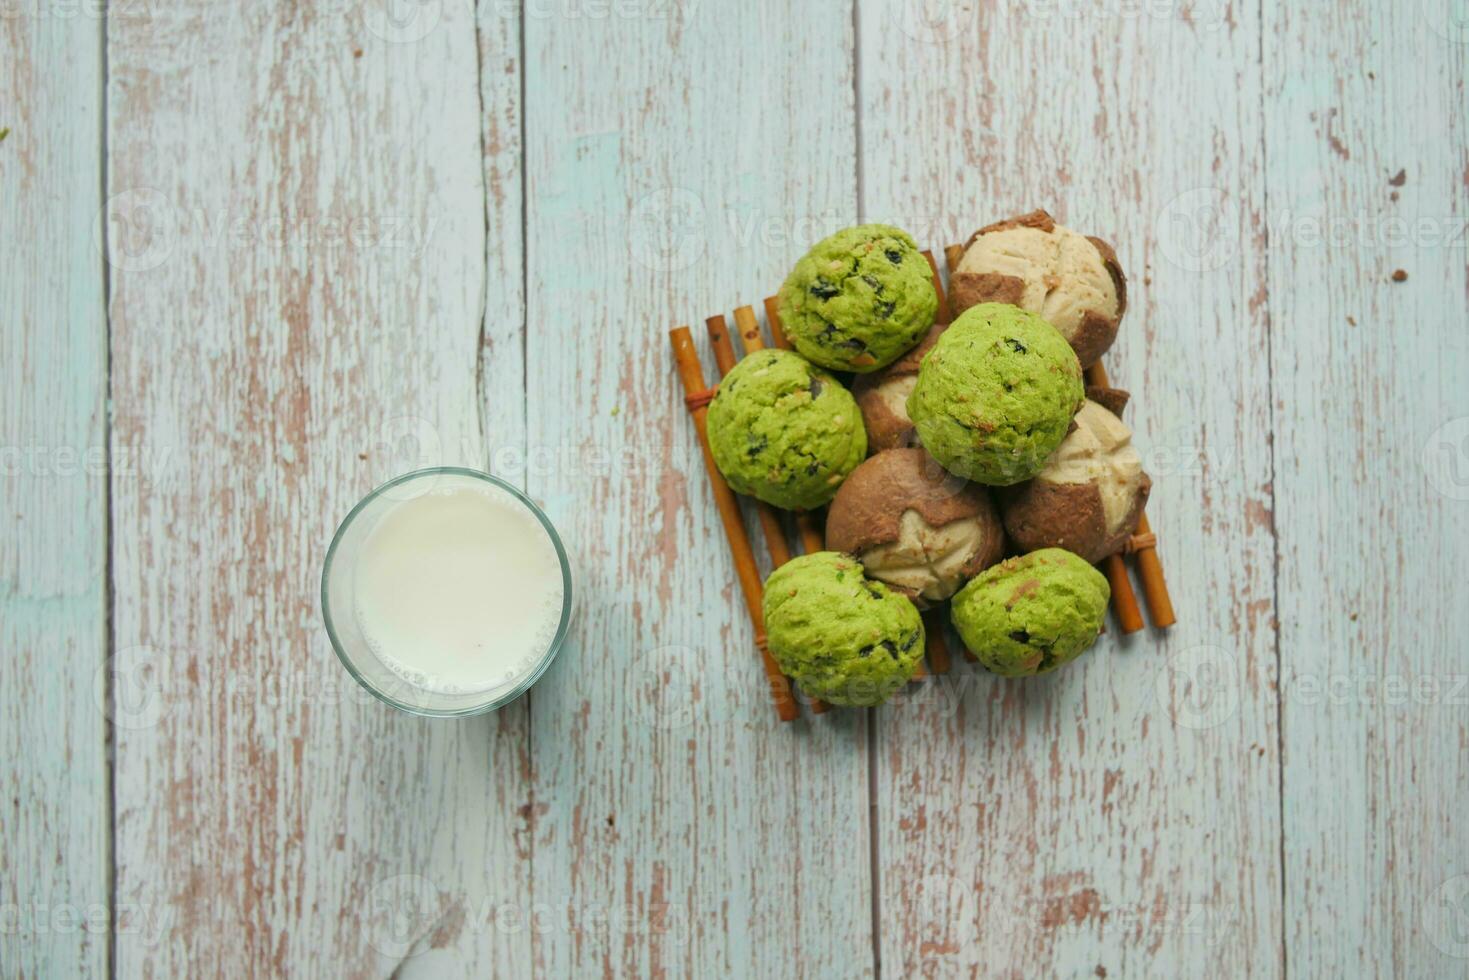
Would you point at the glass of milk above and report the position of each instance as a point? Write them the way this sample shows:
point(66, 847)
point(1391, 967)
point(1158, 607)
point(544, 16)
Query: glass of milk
point(446, 592)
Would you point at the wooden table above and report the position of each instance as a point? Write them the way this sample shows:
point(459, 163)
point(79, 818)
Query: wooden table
point(259, 257)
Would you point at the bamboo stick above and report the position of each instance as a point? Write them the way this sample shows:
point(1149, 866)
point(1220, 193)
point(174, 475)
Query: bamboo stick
point(935, 639)
point(749, 330)
point(1124, 599)
point(812, 538)
point(692, 376)
point(1155, 587)
point(943, 315)
point(724, 355)
point(1149, 568)
point(772, 313)
point(952, 255)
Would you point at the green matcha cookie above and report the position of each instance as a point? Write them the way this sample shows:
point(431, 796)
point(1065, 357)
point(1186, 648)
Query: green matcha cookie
point(996, 395)
point(1031, 614)
point(859, 299)
point(843, 637)
point(785, 431)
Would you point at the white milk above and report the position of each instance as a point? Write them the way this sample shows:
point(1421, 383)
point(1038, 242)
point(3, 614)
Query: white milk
point(459, 588)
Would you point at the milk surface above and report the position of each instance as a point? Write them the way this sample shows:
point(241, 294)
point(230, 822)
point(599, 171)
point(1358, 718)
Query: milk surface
point(459, 588)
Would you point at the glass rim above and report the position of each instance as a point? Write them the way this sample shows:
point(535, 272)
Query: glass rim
point(498, 700)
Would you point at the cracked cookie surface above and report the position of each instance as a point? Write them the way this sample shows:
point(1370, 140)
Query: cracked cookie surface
point(914, 525)
point(843, 637)
point(1089, 496)
point(859, 299)
point(784, 431)
point(1032, 614)
point(996, 395)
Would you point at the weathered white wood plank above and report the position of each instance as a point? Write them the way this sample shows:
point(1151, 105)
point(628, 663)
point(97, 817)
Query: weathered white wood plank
point(1368, 139)
point(502, 347)
point(307, 319)
point(1121, 815)
point(681, 155)
point(54, 893)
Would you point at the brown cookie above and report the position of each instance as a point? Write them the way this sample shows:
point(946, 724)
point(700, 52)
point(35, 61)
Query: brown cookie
point(915, 526)
point(1113, 400)
point(1089, 496)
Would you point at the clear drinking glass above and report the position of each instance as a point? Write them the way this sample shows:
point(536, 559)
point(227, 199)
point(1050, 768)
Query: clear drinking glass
point(339, 601)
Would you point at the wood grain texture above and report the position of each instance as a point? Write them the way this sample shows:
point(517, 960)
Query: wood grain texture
point(1121, 815)
point(311, 314)
point(502, 347)
point(668, 181)
point(1368, 139)
point(54, 849)
point(322, 220)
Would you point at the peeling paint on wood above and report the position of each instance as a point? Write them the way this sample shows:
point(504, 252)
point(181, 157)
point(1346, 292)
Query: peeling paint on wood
point(668, 179)
point(310, 323)
point(1372, 481)
point(1117, 812)
point(320, 253)
point(54, 845)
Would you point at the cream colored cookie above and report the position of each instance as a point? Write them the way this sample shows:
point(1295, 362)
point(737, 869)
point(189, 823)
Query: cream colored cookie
point(1089, 496)
point(1073, 281)
point(883, 398)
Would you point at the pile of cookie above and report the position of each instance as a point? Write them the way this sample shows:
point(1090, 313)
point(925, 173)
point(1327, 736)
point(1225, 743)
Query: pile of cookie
point(955, 445)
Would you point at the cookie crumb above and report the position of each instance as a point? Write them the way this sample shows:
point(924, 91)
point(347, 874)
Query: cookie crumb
point(1400, 276)
point(1351, 321)
point(1399, 180)
point(1101, 970)
point(357, 53)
